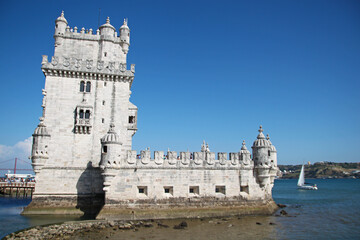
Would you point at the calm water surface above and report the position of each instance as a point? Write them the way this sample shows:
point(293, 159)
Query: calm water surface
point(332, 212)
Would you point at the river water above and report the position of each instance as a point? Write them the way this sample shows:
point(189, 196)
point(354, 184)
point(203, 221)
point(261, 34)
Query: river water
point(332, 212)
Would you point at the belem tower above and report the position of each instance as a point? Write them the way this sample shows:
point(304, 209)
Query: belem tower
point(82, 148)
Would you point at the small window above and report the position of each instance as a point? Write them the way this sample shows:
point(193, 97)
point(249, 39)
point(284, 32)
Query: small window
point(105, 54)
point(169, 190)
point(104, 84)
point(102, 120)
point(131, 119)
point(220, 189)
point(87, 114)
point(103, 103)
point(194, 190)
point(81, 114)
point(244, 189)
point(82, 86)
point(88, 86)
point(105, 149)
point(142, 190)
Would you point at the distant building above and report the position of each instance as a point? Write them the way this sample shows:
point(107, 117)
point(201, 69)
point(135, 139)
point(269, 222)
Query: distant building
point(82, 148)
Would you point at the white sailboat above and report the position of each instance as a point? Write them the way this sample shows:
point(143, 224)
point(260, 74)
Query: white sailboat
point(301, 182)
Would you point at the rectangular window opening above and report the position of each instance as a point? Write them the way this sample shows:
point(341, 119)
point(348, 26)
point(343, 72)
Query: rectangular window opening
point(131, 119)
point(169, 190)
point(194, 190)
point(142, 190)
point(220, 189)
point(244, 189)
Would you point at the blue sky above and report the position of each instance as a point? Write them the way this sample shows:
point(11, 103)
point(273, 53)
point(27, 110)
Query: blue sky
point(206, 70)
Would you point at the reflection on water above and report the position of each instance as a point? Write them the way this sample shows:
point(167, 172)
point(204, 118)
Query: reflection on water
point(11, 220)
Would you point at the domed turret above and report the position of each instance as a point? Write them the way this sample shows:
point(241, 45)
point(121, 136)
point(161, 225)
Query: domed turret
point(39, 152)
point(111, 136)
point(272, 147)
point(110, 156)
point(107, 29)
point(261, 157)
point(261, 141)
point(125, 37)
point(60, 24)
point(272, 153)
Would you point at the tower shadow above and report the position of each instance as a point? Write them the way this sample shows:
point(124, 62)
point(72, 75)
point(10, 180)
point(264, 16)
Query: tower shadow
point(90, 196)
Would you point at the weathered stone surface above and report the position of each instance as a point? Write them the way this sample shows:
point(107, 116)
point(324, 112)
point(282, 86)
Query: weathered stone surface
point(82, 150)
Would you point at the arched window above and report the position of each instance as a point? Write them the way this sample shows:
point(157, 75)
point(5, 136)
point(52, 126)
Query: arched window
point(88, 86)
point(87, 114)
point(82, 86)
point(81, 114)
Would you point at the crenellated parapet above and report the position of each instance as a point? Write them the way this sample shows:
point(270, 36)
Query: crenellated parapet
point(173, 160)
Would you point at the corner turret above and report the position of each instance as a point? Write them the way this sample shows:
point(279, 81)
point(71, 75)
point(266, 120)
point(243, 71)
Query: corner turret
point(273, 160)
point(60, 25)
point(107, 29)
point(39, 153)
point(125, 37)
point(110, 154)
point(261, 152)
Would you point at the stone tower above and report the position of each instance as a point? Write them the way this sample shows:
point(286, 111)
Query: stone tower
point(87, 89)
point(82, 148)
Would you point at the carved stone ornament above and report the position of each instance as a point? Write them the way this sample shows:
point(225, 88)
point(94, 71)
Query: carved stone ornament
point(77, 62)
point(100, 65)
point(89, 64)
point(66, 62)
point(54, 60)
point(111, 66)
point(122, 67)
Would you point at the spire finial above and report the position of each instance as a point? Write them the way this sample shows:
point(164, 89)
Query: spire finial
point(125, 21)
point(267, 137)
point(108, 20)
point(62, 13)
point(261, 130)
point(112, 126)
point(243, 145)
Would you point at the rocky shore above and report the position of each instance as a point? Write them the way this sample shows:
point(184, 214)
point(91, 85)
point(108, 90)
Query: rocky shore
point(154, 229)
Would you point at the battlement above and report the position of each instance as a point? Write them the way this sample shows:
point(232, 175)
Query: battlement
point(89, 34)
point(235, 160)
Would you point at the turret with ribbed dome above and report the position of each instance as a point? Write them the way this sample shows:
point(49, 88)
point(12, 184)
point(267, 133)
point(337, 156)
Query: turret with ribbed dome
point(273, 160)
point(125, 36)
point(60, 24)
point(261, 154)
point(110, 155)
point(107, 29)
point(111, 136)
point(39, 153)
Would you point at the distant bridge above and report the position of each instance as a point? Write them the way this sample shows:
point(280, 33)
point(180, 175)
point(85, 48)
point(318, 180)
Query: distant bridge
point(16, 169)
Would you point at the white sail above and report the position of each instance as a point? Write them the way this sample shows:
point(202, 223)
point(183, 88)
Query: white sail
point(301, 181)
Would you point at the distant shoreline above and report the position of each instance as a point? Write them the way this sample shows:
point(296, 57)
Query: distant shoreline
point(321, 170)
